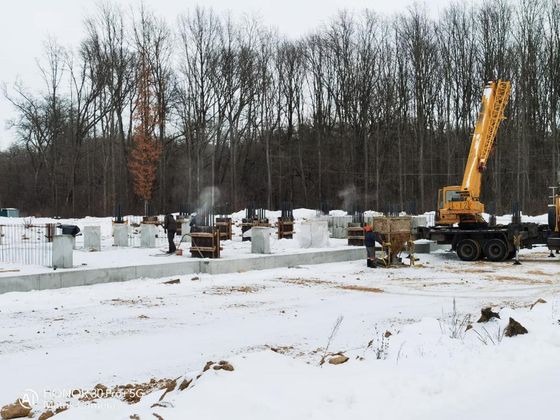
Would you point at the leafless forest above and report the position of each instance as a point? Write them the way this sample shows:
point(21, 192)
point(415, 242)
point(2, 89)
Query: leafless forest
point(379, 107)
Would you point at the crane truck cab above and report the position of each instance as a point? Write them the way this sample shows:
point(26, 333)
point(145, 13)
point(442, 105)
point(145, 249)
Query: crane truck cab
point(455, 205)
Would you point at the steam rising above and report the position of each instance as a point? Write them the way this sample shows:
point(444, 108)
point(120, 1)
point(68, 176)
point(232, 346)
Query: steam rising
point(349, 197)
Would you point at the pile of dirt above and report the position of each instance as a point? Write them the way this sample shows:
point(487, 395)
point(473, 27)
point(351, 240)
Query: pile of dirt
point(16, 410)
point(514, 328)
point(338, 359)
point(49, 413)
point(486, 315)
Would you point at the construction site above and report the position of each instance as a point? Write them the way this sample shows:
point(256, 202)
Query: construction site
point(295, 210)
point(256, 314)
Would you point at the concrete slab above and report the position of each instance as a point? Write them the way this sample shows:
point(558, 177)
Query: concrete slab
point(89, 276)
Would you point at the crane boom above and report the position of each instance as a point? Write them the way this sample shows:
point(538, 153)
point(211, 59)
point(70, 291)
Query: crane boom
point(460, 203)
point(494, 101)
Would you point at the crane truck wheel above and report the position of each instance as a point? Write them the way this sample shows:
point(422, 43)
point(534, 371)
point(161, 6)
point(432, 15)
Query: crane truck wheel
point(495, 250)
point(468, 250)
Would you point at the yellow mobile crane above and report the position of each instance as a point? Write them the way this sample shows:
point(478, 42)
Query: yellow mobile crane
point(460, 204)
point(459, 220)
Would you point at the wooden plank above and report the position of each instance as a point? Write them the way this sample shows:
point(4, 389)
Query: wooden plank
point(201, 235)
point(203, 248)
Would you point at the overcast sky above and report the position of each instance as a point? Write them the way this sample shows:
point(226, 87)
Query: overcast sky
point(25, 24)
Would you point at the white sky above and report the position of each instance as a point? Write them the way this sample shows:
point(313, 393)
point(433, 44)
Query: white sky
point(25, 24)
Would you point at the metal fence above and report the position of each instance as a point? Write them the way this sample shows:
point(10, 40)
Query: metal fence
point(27, 243)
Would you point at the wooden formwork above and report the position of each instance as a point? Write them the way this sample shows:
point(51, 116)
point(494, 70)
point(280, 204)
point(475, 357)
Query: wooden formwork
point(247, 224)
point(150, 220)
point(224, 226)
point(285, 228)
point(205, 242)
point(355, 234)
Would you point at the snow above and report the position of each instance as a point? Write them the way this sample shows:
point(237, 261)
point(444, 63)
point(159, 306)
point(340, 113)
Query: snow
point(130, 332)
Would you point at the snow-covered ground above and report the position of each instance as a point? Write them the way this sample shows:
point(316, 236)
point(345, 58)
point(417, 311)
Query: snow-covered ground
point(274, 327)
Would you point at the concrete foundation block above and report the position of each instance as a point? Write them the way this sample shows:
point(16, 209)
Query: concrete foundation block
point(120, 234)
point(186, 229)
point(148, 235)
point(92, 238)
point(63, 251)
point(338, 226)
point(423, 246)
point(418, 221)
point(314, 234)
point(260, 240)
point(86, 276)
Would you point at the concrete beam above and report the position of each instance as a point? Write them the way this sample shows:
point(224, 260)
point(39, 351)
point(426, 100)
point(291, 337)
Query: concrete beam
point(89, 276)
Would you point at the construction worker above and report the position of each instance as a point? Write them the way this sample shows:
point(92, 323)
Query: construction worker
point(170, 227)
point(369, 242)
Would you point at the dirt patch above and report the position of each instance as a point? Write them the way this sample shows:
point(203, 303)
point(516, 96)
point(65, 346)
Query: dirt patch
point(305, 282)
point(518, 279)
point(360, 288)
point(234, 289)
point(475, 270)
point(539, 273)
point(281, 349)
point(132, 302)
point(317, 282)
